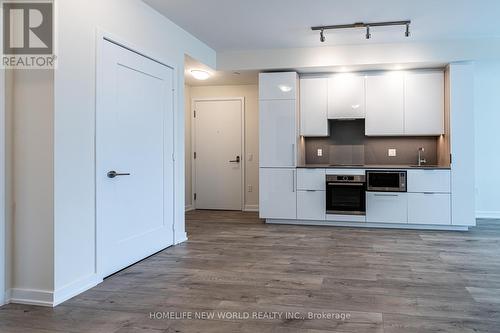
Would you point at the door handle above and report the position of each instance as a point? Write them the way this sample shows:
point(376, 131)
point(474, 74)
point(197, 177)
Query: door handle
point(113, 174)
point(237, 160)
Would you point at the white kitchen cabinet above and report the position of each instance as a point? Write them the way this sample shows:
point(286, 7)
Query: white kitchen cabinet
point(435, 181)
point(314, 107)
point(311, 205)
point(386, 207)
point(346, 96)
point(277, 194)
point(424, 103)
point(278, 133)
point(311, 179)
point(429, 208)
point(385, 104)
point(278, 85)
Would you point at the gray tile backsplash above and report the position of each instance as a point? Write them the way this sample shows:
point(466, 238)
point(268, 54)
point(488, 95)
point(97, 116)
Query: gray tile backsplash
point(348, 144)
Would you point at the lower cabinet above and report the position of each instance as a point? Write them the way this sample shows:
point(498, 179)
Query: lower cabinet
point(386, 207)
point(311, 205)
point(277, 194)
point(429, 208)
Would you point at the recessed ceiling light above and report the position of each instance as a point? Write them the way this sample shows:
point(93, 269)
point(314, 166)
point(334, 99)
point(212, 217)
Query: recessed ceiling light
point(199, 74)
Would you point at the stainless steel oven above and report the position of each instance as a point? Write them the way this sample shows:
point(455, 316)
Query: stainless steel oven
point(346, 194)
point(386, 181)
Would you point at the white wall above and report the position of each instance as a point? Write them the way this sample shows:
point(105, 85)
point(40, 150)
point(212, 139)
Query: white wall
point(487, 143)
point(251, 95)
point(362, 54)
point(74, 164)
point(33, 181)
point(3, 198)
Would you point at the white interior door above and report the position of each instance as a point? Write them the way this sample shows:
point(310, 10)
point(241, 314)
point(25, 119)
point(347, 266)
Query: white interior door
point(218, 166)
point(134, 137)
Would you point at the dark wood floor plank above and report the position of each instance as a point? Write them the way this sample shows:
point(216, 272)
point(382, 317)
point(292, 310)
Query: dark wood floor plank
point(385, 280)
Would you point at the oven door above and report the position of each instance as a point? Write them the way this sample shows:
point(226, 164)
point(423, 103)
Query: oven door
point(345, 198)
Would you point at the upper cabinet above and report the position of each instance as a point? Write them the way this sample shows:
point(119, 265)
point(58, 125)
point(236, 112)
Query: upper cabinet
point(405, 103)
point(385, 104)
point(313, 107)
point(424, 103)
point(346, 96)
point(278, 86)
point(278, 118)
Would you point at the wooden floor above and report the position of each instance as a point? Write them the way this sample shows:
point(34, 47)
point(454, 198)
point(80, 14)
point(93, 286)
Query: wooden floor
point(379, 280)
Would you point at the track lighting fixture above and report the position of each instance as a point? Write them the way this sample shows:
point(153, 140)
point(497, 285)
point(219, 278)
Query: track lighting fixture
point(368, 26)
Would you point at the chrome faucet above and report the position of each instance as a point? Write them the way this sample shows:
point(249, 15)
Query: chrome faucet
point(420, 159)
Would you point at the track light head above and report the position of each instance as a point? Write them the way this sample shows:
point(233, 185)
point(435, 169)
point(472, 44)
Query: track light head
point(322, 36)
point(368, 34)
point(407, 33)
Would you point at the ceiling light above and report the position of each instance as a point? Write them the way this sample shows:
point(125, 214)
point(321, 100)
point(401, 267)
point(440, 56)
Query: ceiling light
point(322, 28)
point(198, 74)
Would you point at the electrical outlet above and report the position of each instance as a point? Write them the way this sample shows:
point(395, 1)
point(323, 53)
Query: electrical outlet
point(250, 188)
point(392, 152)
point(320, 152)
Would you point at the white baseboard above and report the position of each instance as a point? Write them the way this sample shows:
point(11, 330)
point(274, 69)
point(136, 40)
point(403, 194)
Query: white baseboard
point(74, 288)
point(251, 208)
point(181, 239)
point(50, 298)
point(488, 215)
point(189, 208)
point(30, 297)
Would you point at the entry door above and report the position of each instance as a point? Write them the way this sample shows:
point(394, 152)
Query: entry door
point(134, 148)
point(219, 154)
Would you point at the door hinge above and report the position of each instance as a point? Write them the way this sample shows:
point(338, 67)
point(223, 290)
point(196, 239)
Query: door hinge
point(194, 155)
point(194, 113)
point(195, 196)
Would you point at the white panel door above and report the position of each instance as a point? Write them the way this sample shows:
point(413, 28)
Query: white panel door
point(424, 103)
point(429, 208)
point(385, 104)
point(278, 133)
point(311, 205)
point(219, 154)
point(386, 207)
point(278, 85)
point(277, 195)
point(314, 107)
point(346, 96)
point(134, 137)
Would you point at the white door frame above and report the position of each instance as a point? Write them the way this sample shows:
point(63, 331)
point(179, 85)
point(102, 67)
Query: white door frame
point(193, 144)
point(101, 38)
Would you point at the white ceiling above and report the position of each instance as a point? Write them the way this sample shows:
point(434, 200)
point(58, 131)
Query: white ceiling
point(217, 78)
point(263, 24)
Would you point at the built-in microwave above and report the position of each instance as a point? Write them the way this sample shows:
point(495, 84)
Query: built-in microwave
point(386, 181)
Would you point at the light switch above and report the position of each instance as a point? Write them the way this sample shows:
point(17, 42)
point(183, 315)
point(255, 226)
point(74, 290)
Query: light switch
point(320, 152)
point(392, 152)
point(250, 188)
point(250, 157)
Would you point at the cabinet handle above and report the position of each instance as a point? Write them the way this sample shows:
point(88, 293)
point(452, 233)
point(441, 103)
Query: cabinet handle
point(294, 154)
point(386, 195)
point(293, 181)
